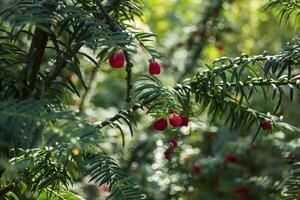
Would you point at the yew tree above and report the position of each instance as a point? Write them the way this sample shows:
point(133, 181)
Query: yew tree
point(48, 144)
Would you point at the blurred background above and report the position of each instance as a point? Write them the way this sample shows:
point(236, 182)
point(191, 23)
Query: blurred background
point(210, 162)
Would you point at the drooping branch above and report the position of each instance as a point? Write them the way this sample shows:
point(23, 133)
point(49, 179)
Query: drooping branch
point(119, 116)
point(129, 65)
point(116, 27)
point(37, 50)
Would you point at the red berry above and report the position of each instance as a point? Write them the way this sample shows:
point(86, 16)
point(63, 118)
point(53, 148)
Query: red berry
point(160, 124)
point(175, 120)
point(266, 125)
point(154, 68)
point(117, 60)
point(106, 188)
point(242, 190)
point(184, 121)
point(230, 158)
point(174, 143)
point(197, 168)
point(168, 152)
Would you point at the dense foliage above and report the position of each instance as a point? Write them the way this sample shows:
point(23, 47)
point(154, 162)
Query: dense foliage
point(186, 128)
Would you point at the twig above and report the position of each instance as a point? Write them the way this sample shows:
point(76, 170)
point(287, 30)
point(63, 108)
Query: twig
point(116, 27)
point(37, 50)
point(89, 86)
point(129, 65)
point(61, 62)
point(35, 57)
point(203, 26)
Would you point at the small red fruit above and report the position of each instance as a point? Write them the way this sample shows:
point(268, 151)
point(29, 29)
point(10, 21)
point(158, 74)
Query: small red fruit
point(160, 124)
point(197, 168)
point(168, 152)
point(154, 68)
point(174, 143)
point(266, 125)
point(242, 190)
point(184, 121)
point(117, 60)
point(175, 120)
point(230, 158)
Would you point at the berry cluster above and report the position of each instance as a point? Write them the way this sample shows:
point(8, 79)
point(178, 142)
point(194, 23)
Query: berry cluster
point(175, 121)
point(117, 60)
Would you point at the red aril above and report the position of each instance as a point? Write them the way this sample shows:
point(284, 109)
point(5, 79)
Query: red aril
point(168, 152)
point(184, 121)
point(160, 124)
point(175, 120)
point(116, 60)
point(174, 143)
point(266, 125)
point(154, 68)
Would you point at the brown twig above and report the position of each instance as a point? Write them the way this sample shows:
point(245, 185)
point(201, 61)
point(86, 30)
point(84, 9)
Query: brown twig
point(5, 190)
point(36, 54)
point(212, 13)
point(34, 61)
point(129, 65)
point(117, 27)
point(37, 50)
point(61, 62)
point(89, 86)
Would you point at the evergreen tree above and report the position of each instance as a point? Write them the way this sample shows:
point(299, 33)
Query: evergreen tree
point(47, 144)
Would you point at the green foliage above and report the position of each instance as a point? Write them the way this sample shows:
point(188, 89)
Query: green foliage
point(285, 8)
point(291, 187)
point(151, 93)
point(104, 169)
point(225, 90)
point(47, 49)
point(42, 140)
point(62, 160)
